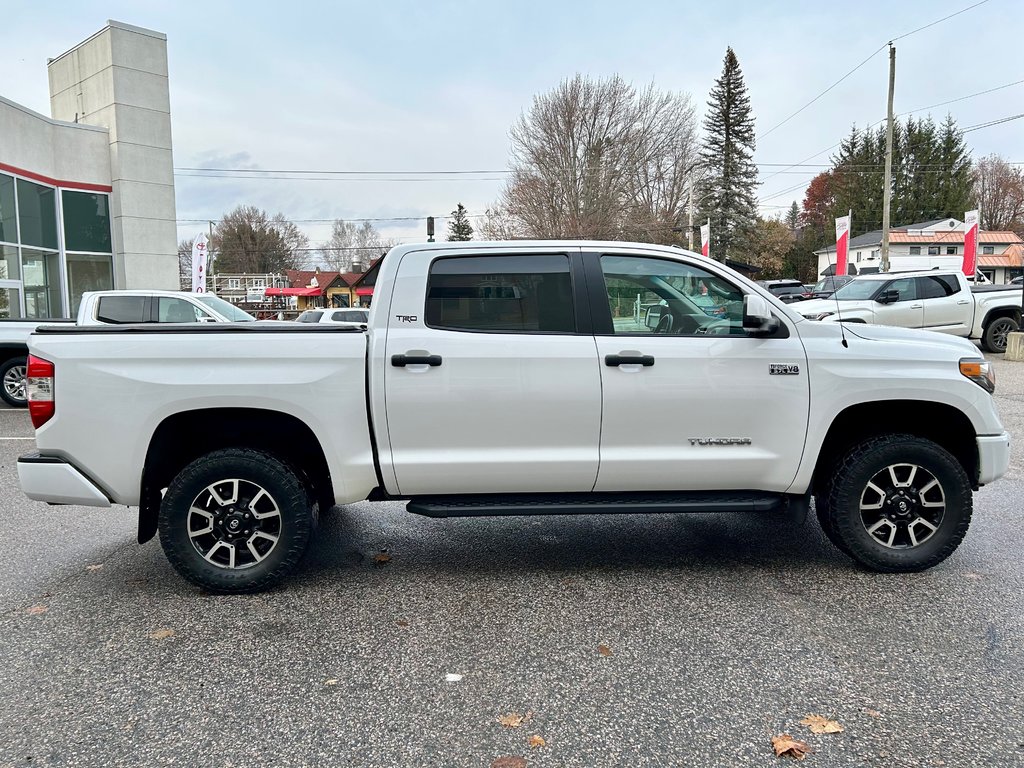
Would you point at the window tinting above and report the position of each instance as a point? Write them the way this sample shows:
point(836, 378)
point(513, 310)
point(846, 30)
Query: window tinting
point(501, 293)
point(951, 283)
point(121, 309)
point(37, 212)
point(86, 222)
point(933, 287)
point(8, 228)
point(309, 316)
point(349, 316)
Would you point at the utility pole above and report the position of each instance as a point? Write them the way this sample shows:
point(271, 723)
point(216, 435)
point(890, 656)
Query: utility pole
point(689, 229)
point(887, 191)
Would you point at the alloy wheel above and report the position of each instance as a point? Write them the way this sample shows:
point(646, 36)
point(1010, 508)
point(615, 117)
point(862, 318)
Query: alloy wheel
point(902, 506)
point(14, 382)
point(234, 523)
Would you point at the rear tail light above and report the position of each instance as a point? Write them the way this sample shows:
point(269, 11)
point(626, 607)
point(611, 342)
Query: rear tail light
point(39, 385)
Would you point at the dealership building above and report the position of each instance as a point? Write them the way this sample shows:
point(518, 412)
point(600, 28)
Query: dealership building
point(87, 194)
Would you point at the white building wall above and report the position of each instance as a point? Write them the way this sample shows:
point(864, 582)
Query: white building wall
point(117, 79)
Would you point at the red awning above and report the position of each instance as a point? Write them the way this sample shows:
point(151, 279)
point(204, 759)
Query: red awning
point(364, 291)
point(293, 291)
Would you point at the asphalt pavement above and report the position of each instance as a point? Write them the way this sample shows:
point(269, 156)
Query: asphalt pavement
point(622, 641)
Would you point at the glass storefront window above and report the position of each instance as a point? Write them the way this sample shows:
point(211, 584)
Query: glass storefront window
point(37, 214)
point(10, 303)
point(9, 263)
point(86, 222)
point(88, 273)
point(8, 225)
point(41, 280)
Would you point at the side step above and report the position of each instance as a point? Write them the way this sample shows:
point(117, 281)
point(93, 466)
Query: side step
point(595, 503)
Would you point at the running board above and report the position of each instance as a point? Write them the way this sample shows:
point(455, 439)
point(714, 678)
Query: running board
point(595, 503)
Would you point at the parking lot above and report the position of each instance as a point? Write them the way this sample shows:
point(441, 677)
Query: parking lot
point(622, 641)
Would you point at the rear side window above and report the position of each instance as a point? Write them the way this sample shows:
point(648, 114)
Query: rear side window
point(349, 316)
point(509, 294)
point(936, 286)
point(122, 309)
point(309, 317)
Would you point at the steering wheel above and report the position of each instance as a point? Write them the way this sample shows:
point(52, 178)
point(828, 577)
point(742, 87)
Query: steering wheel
point(665, 323)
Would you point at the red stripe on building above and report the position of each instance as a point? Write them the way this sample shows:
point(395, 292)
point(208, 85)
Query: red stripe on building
point(56, 182)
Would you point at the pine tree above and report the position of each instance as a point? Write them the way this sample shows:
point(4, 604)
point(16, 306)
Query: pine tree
point(792, 218)
point(459, 227)
point(727, 156)
point(955, 180)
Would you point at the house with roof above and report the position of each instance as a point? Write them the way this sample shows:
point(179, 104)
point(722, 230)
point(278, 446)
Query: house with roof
point(939, 242)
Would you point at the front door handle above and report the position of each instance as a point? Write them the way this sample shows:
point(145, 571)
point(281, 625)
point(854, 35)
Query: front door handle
point(963, 301)
point(916, 306)
point(400, 361)
point(644, 360)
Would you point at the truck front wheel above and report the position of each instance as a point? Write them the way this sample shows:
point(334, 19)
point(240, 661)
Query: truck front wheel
point(235, 520)
point(898, 503)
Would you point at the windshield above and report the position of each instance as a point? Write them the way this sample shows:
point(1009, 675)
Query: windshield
point(225, 309)
point(858, 290)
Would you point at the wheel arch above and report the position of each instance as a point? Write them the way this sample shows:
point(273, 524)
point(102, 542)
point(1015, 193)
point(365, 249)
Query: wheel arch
point(941, 423)
point(998, 312)
point(183, 437)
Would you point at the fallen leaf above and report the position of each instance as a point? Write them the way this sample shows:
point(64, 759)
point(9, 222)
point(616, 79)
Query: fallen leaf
point(819, 724)
point(871, 712)
point(604, 650)
point(35, 610)
point(402, 623)
point(161, 634)
point(332, 681)
point(785, 744)
point(381, 557)
point(452, 678)
point(537, 741)
point(96, 567)
point(509, 762)
point(512, 720)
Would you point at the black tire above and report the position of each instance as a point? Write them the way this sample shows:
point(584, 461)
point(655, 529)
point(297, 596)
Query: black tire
point(261, 536)
point(821, 511)
point(12, 382)
point(918, 517)
point(994, 337)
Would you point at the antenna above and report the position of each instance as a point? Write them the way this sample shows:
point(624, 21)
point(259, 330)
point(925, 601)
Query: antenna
point(839, 314)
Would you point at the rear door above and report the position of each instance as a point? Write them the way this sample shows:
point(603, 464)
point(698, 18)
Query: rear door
point(947, 306)
point(492, 383)
point(691, 402)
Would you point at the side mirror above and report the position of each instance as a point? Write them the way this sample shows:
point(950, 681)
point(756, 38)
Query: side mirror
point(757, 316)
point(888, 297)
point(653, 316)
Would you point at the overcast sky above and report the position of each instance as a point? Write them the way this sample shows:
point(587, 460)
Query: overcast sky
point(435, 86)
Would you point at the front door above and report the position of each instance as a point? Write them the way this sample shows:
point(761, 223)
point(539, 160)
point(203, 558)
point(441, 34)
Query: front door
point(493, 385)
point(704, 406)
point(907, 311)
point(947, 306)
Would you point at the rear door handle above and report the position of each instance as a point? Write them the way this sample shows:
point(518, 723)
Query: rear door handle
point(916, 306)
point(400, 361)
point(644, 360)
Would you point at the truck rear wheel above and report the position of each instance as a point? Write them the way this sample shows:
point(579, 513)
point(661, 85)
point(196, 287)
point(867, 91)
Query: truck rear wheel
point(997, 333)
point(235, 520)
point(12, 382)
point(899, 503)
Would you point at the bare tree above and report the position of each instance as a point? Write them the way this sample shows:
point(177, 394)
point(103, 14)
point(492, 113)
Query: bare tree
point(999, 190)
point(598, 159)
point(352, 245)
point(185, 264)
point(247, 240)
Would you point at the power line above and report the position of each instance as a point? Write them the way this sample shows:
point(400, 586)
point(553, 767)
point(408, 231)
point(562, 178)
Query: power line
point(330, 178)
point(345, 173)
point(992, 122)
point(944, 18)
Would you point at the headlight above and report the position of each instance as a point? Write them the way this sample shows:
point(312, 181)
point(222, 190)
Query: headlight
point(980, 372)
point(819, 315)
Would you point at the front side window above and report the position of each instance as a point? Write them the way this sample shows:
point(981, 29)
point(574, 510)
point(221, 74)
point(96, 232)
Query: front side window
point(309, 316)
point(172, 310)
point(649, 296)
point(504, 294)
point(905, 288)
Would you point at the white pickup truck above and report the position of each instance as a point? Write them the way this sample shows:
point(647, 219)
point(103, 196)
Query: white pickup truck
point(109, 308)
point(932, 300)
point(517, 378)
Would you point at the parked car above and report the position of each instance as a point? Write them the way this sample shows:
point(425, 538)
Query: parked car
point(827, 286)
point(108, 308)
point(1017, 280)
point(350, 316)
point(786, 290)
point(505, 389)
point(932, 300)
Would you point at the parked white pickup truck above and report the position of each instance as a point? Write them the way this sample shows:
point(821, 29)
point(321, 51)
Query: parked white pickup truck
point(932, 300)
point(109, 308)
point(517, 379)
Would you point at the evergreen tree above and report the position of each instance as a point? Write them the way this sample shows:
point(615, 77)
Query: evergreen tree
point(459, 227)
point(727, 156)
point(792, 218)
point(955, 193)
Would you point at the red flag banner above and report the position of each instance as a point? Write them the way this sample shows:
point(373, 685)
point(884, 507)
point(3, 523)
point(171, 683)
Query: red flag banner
point(705, 239)
point(842, 243)
point(971, 243)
